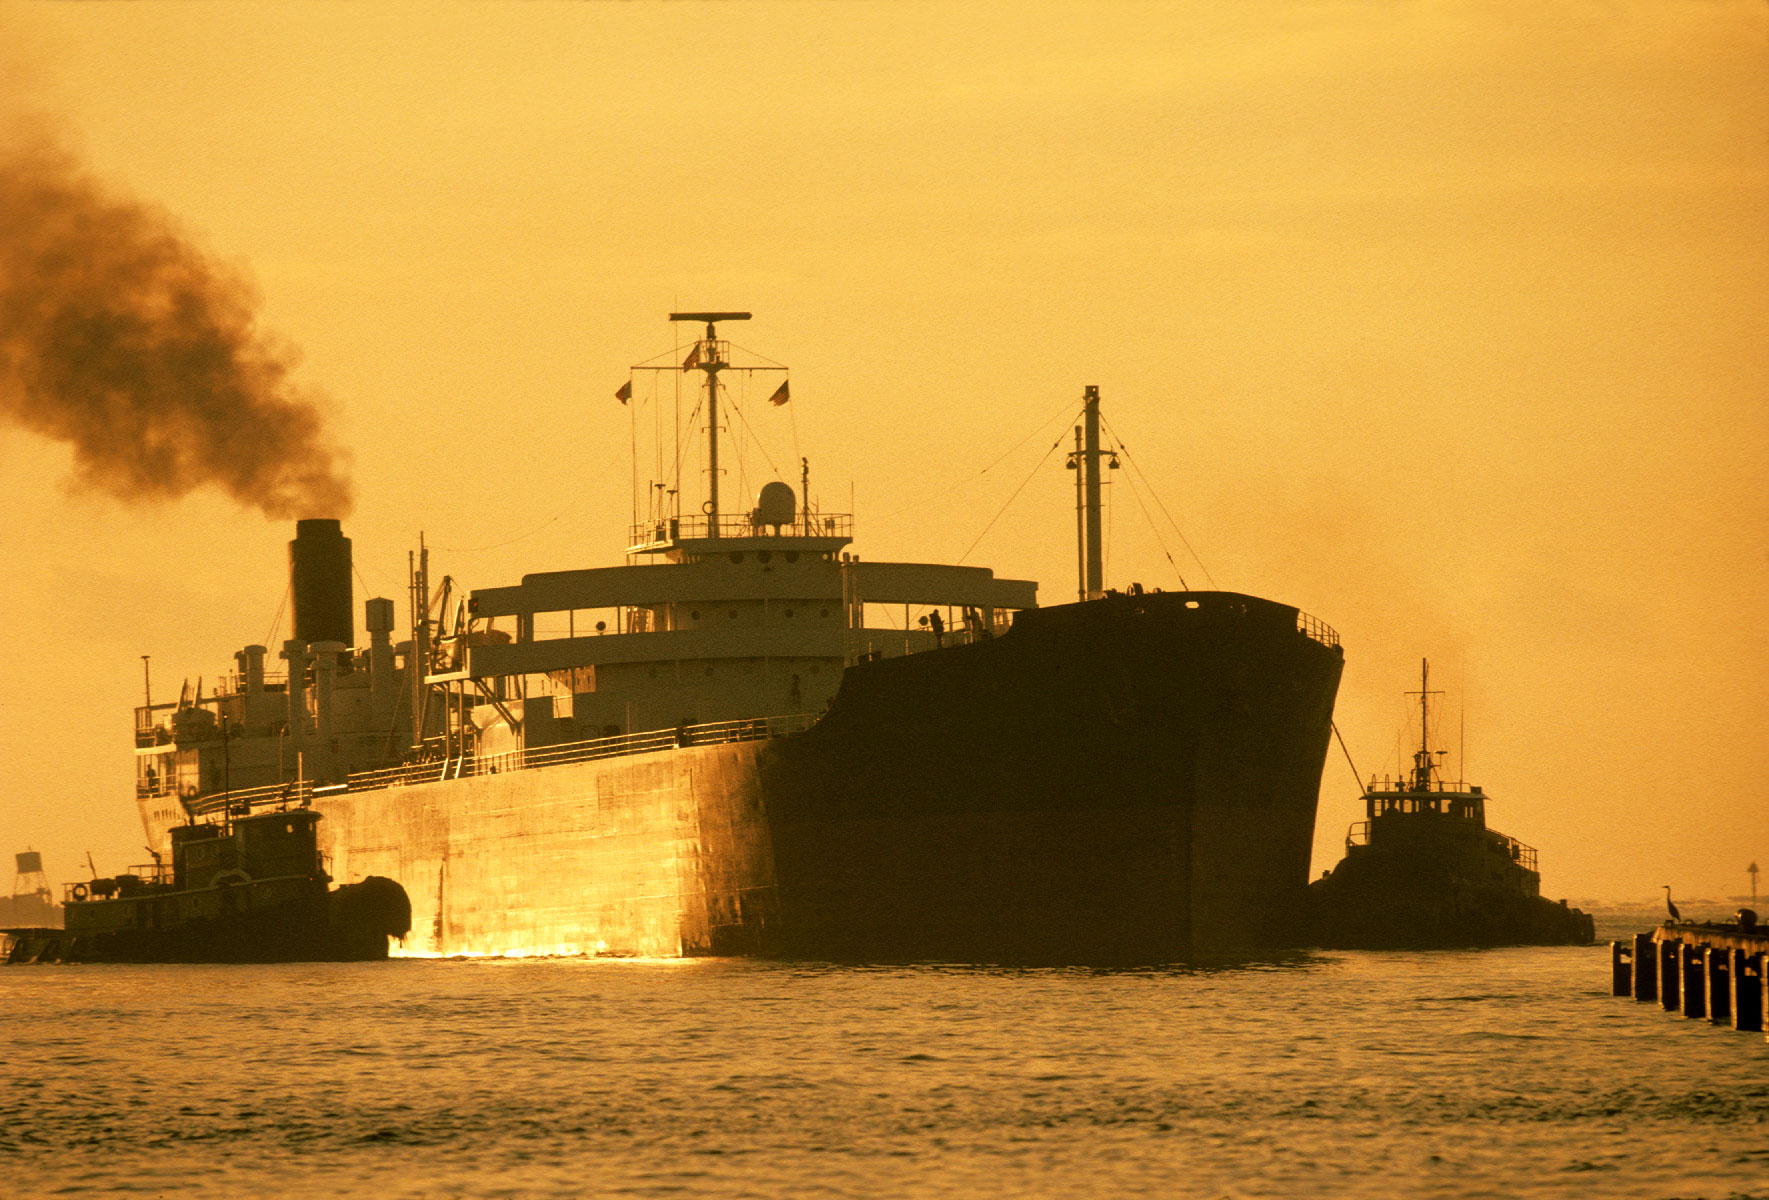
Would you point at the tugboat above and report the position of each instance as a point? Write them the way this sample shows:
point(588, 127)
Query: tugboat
point(249, 888)
point(1424, 871)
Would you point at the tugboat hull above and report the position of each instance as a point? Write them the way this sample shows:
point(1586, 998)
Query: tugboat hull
point(261, 921)
point(1400, 904)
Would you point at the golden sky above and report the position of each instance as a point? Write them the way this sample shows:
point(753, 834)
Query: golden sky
point(1446, 322)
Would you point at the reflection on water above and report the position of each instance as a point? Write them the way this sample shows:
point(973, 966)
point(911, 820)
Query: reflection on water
point(1504, 1073)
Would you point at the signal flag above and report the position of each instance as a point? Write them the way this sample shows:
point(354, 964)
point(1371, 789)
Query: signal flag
point(781, 394)
point(625, 393)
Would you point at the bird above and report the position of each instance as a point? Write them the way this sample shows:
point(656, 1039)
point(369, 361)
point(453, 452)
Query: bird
point(1670, 907)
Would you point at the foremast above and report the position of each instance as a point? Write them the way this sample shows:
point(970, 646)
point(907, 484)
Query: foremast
point(709, 356)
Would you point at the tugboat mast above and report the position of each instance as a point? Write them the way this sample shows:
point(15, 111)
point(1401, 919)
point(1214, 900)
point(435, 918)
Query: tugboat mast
point(1422, 759)
point(706, 356)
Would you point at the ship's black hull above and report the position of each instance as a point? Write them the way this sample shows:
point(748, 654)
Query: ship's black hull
point(1129, 780)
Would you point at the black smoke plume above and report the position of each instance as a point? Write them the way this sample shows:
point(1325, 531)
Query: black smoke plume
point(121, 338)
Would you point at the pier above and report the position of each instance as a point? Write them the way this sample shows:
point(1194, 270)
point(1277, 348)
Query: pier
point(1707, 971)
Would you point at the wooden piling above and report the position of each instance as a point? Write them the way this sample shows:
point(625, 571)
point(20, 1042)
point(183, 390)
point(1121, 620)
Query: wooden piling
point(1621, 975)
point(1717, 975)
point(1693, 961)
point(1645, 968)
point(1670, 974)
point(1705, 970)
point(1747, 991)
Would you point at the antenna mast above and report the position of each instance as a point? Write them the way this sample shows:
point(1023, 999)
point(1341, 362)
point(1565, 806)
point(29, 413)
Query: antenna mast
point(706, 356)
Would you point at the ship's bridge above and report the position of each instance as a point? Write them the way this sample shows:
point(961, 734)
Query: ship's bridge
point(748, 598)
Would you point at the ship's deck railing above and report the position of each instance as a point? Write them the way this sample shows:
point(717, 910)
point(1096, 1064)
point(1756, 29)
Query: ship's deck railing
point(1317, 629)
point(131, 881)
point(738, 525)
point(713, 733)
point(297, 793)
point(1402, 785)
point(888, 642)
point(150, 730)
point(1525, 856)
point(300, 793)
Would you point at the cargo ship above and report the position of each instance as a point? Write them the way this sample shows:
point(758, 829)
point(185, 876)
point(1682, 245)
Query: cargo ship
point(1423, 870)
point(732, 745)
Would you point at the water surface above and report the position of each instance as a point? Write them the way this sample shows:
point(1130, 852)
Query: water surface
point(1506, 1073)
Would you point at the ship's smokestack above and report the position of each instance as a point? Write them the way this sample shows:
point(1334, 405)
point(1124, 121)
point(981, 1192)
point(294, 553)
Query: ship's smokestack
point(319, 580)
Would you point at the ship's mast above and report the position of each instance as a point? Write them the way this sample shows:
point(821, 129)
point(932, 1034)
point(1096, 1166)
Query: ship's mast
point(1086, 461)
point(1096, 572)
point(418, 583)
point(1424, 759)
point(706, 357)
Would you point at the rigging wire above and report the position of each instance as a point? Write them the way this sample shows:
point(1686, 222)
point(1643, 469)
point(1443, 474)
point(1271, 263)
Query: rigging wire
point(633, 449)
point(1012, 498)
point(1356, 777)
point(276, 621)
point(1154, 528)
point(1157, 498)
point(679, 447)
point(512, 541)
point(369, 591)
point(1067, 407)
point(792, 417)
point(756, 438)
point(732, 405)
point(1111, 512)
point(771, 362)
point(571, 506)
point(677, 431)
